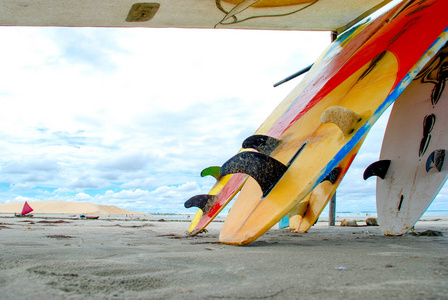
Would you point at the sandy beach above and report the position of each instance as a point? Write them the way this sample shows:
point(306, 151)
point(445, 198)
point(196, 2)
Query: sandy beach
point(135, 259)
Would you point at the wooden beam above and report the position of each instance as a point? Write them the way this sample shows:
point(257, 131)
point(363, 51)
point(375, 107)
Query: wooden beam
point(332, 204)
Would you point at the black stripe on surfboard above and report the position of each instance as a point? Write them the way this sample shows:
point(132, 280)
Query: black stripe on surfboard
point(401, 202)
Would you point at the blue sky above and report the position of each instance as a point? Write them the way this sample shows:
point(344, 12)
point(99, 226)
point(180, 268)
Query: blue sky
point(129, 117)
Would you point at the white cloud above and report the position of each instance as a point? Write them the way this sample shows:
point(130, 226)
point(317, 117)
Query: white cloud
point(23, 199)
point(128, 194)
point(126, 162)
point(22, 186)
point(82, 197)
point(86, 181)
point(147, 183)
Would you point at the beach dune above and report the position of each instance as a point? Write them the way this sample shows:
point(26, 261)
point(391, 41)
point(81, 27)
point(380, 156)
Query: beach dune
point(66, 207)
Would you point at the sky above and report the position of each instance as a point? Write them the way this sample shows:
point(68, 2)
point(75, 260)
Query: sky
point(130, 117)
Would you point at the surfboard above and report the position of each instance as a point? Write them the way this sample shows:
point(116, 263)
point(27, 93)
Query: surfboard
point(242, 14)
point(412, 167)
point(323, 70)
point(226, 187)
point(305, 215)
point(313, 142)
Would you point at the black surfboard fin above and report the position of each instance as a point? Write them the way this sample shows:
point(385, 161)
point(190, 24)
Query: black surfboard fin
point(333, 175)
point(212, 171)
point(435, 160)
point(266, 170)
point(378, 168)
point(199, 201)
point(262, 143)
point(342, 117)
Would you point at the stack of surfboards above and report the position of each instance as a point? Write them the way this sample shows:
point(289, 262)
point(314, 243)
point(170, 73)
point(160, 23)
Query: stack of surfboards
point(296, 159)
point(228, 186)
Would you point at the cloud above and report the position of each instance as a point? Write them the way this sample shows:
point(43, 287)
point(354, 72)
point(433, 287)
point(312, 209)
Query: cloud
point(84, 47)
point(127, 162)
point(86, 181)
point(145, 183)
point(82, 197)
point(23, 199)
point(22, 186)
point(161, 199)
point(20, 167)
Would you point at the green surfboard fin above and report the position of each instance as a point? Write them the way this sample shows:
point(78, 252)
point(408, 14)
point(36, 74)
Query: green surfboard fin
point(211, 171)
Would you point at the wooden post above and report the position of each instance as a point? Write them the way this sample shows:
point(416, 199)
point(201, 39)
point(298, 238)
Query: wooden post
point(332, 211)
point(334, 36)
point(332, 204)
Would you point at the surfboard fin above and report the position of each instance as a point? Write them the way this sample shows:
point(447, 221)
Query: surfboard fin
point(333, 175)
point(435, 160)
point(262, 143)
point(342, 117)
point(212, 171)
point(266, 170)
point(199, 201)
point(378, 168)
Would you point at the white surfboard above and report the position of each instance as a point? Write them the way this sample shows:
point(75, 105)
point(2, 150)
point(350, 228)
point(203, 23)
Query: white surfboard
point(413, 152)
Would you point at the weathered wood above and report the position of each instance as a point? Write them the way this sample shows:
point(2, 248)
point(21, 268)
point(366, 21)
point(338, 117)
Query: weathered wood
point(332, 211)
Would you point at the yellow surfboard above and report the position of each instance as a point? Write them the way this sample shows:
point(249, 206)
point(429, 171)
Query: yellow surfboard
point(252, 213)
point(335, 55)
point(308, 211)
point(201, 220)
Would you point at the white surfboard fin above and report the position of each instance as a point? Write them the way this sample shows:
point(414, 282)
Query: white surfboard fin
point(266, 170)
point(378, 168)
point(262, 143)
point(333, 175)
point(199, 201)
point(212, 171)
point(342, 117)
point(435, 160)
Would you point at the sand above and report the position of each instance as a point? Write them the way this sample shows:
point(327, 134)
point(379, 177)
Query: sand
point(118, 259)
point(66, 207)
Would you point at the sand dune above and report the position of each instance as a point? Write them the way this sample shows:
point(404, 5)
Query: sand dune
point(65, 207)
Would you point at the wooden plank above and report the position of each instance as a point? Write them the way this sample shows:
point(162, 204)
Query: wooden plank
point(331, 15)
